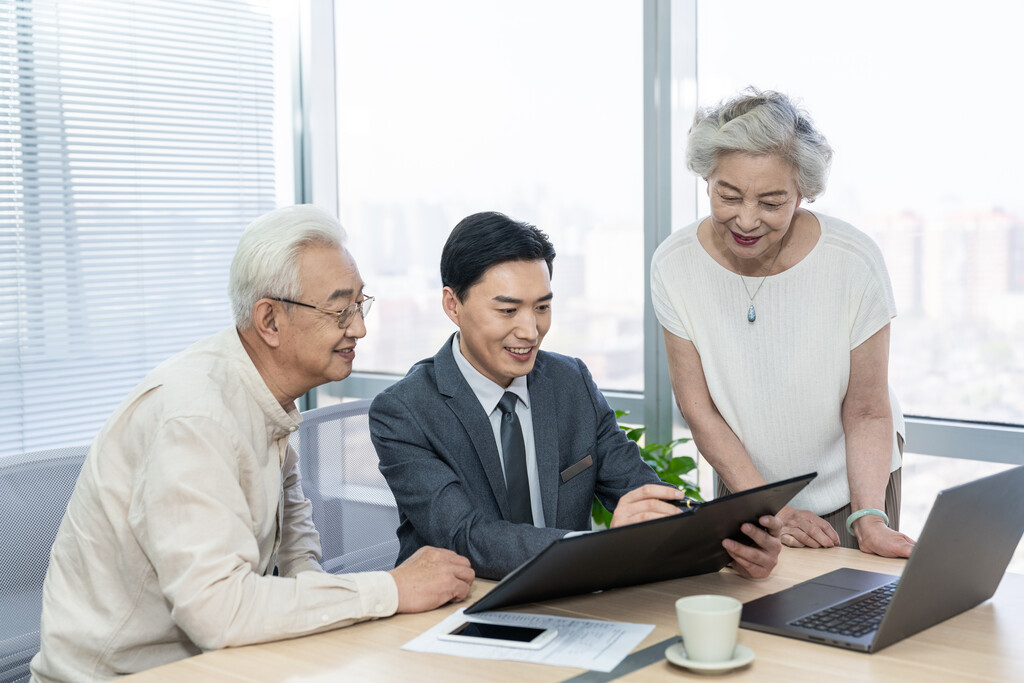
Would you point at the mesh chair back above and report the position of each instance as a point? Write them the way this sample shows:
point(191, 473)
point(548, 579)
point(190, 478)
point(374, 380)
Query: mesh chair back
point(34, 493)
point(353, 508)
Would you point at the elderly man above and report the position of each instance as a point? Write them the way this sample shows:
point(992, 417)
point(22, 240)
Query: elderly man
point(190, 496)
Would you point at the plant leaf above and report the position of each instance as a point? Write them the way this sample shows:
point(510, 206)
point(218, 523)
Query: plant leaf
point(600, 515)
point(692, 492)
point(634, 433)
point(681, 465)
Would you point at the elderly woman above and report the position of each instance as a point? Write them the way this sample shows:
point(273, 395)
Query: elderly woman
point(776, 323)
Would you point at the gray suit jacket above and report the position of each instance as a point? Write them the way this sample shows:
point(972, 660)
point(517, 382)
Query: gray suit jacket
point(438, 453)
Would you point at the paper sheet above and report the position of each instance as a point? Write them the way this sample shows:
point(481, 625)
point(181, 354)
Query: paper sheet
point(583, 643)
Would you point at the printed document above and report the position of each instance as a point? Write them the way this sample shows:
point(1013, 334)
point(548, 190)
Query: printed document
point(583, 643)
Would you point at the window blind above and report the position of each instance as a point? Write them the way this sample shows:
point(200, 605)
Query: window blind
point(136, 141)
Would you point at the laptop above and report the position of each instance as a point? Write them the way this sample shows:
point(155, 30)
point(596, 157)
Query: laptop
point(686, 544)
point(967, 542)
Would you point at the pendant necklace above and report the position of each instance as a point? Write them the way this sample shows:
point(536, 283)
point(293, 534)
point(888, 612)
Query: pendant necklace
point(751, 313)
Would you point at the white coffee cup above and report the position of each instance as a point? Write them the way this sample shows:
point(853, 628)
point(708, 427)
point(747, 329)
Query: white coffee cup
point(709, 624)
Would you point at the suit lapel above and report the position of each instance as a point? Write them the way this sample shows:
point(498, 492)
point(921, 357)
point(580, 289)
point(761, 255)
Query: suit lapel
point(543, 410)
point(463, 402)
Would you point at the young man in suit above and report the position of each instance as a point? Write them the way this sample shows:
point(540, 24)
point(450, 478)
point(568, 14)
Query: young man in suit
point(494, 448)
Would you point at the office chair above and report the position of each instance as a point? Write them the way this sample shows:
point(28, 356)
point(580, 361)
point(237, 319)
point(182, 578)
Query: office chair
point(34, 492)
point(353, 508)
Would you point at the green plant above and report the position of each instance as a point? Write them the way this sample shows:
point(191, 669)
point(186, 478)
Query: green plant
point(659, 456)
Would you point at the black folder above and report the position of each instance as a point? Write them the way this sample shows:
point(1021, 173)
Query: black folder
point(686, 544)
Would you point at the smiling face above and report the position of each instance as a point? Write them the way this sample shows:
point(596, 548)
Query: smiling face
point(314, 349)
point(753, 203)
point(503, 318)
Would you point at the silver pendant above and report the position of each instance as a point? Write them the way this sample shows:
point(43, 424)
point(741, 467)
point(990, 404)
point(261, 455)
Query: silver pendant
point(751, 313)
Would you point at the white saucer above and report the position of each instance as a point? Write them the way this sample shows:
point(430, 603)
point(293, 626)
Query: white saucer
point(741, 656)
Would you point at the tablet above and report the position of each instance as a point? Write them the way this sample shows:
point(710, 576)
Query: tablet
point(686, 544)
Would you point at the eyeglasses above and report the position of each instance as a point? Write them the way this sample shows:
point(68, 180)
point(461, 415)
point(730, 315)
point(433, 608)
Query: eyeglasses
point(344, 316)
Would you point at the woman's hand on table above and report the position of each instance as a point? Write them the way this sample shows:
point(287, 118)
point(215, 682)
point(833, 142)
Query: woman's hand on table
point(804, 529)
point(875, 538)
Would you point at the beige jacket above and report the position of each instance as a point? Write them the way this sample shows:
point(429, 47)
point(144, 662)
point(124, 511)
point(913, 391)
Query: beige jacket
point(189, 498)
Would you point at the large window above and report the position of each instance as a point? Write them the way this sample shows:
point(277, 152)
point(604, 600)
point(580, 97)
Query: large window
point(538, 109)
point(136, 140)
point(530, 108)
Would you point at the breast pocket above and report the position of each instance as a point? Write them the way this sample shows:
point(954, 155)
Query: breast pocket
point(581, 465)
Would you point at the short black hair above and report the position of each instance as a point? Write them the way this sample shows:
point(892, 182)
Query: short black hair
point(487, 239)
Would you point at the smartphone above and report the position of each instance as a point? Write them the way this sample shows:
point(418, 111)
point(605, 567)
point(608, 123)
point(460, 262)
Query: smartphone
point(501, 635)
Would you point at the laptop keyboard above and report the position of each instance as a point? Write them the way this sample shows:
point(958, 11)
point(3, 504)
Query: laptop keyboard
point(851, 618)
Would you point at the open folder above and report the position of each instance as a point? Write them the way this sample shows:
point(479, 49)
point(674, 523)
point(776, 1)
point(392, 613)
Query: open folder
point(686, 544)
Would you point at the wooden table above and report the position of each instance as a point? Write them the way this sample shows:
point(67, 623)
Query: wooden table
point(983, 644)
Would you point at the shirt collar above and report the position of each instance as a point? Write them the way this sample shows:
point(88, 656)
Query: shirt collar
point(280, 422)
point(485, 390)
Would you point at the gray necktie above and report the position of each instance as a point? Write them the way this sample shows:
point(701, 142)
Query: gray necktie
point(513, 450)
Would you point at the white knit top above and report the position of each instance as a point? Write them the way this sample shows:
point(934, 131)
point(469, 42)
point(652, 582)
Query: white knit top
point(779, 382)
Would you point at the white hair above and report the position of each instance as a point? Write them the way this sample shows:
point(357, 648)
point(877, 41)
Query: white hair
point(266, 261)
point(761, 123)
